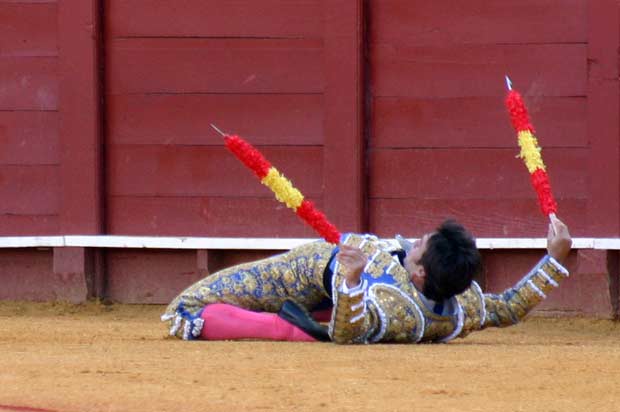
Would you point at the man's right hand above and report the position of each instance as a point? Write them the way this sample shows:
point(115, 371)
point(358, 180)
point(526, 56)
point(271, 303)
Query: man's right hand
point(559, 241)
point(354, 260)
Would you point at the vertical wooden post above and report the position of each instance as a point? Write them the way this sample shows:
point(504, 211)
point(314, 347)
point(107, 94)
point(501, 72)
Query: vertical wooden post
point(604, 131)
point(202, 262)
point(613, 269)
point(81, 212)
point(80, 117)
point(603, 118)
point(73, 273)
point(343, 169)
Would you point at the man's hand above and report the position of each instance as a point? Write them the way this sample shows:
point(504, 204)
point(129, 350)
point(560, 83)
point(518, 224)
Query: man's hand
point(559, 241)
point(354, 260)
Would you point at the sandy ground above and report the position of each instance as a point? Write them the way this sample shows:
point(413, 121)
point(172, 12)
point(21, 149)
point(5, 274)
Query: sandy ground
point(58, 357)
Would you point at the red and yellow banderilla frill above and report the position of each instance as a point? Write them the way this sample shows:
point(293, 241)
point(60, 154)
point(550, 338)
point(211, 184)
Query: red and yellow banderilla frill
point(530, 151)
point(281, 187)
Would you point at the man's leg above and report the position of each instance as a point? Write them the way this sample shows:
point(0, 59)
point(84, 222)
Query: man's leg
point(260, 286)
point(228, 322)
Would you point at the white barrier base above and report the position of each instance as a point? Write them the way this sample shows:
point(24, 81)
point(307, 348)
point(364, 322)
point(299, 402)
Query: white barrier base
point(157, 242)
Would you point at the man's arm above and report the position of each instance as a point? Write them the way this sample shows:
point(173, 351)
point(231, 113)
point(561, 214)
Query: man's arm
point(352, 322)
point(509, 307)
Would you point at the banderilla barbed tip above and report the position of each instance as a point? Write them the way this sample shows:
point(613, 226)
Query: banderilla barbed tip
point(508, 82)
point(218, 130)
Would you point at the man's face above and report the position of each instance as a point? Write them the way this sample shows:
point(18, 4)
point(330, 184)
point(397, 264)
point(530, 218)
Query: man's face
point(411, 261)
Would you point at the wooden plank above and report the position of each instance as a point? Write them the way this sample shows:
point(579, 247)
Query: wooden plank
point(603, 118)
point(29, 190)
point(213, 18)
point(28, 29)
point(474, 122)
point(206, 170)
point(473, 174)
point(194, 216)
point(436, 23)
point(29, 138)
point(585, 292)
point(483, 217)
point(263, 119)
point(26, 275)
point(344, 177)
point(28, 225)
point(28, 83)
point(478, 70)
point(137, 276)
point(215, 65)
point(80, 121)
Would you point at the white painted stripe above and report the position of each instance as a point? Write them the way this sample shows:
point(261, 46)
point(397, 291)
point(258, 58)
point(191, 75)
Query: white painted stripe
point(163, 242)
point(606, 243)
point(31, 241)
point(153, 242)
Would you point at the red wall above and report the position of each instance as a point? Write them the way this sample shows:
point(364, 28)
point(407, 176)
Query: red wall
point(29, 142)
point(441, 144)
point(388, 114)
point(49, 118)
point(413, 133)
point(264, 70)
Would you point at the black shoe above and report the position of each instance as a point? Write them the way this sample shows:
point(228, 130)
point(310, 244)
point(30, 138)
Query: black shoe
point(298, 316)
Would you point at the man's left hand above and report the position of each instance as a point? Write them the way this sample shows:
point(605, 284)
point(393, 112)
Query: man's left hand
point(559, 241)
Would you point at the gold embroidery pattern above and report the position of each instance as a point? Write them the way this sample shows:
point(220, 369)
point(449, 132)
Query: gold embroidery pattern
point(436, 329)
point(381, 262)
point(471, 302)
point(347, 326)
point(403, 317)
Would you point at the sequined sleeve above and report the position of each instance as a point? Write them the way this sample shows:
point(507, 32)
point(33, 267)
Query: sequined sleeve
point(380, 313)
point(511, 306)
point(352, 321)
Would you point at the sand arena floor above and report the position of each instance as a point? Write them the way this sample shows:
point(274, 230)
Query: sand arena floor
point(57, 357)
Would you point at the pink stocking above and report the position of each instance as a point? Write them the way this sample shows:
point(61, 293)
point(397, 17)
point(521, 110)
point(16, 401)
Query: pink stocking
point(227, 322)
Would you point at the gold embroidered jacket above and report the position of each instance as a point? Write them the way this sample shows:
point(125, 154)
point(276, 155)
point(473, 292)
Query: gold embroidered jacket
point(386, 307)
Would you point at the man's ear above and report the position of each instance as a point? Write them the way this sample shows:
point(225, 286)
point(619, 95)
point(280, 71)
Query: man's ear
point(419, 272)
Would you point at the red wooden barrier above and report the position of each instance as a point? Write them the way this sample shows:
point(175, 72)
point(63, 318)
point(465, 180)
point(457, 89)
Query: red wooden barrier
point(603, 217)
point(80, 123)
point(284, 79)
point(441, 143)
point(29, 149)
point(387, 114)
point(345, 180)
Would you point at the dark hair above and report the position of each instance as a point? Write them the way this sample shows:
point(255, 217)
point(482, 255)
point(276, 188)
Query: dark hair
point(450, 261)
